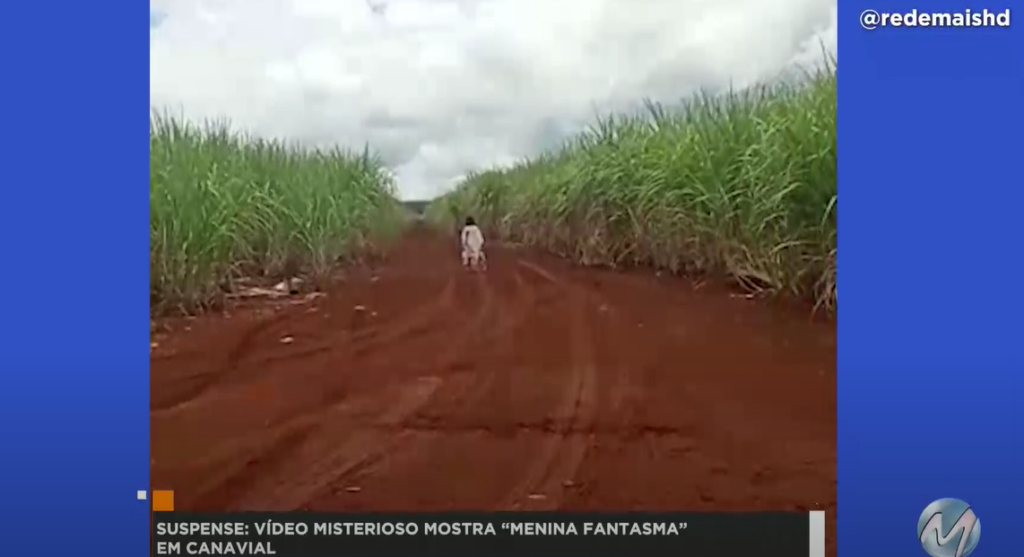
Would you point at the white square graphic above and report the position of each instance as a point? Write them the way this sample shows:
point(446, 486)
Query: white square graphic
point(141, 495)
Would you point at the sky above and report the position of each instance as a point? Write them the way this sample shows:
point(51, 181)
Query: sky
point(442, 87)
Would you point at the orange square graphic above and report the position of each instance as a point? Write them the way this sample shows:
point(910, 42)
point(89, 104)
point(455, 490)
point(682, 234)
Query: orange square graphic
point(163, 500)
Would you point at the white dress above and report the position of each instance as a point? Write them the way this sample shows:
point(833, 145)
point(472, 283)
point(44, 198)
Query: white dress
point(472, 243)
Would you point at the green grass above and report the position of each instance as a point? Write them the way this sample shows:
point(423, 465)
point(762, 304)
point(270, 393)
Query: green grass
point(741, 185)
point(224, 205)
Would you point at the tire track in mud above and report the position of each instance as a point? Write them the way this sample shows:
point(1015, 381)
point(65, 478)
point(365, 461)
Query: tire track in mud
point(511, 312)
point(338, 452)
point(415, 430)
point(241, 359)
point(631, 347)
point(402, 428)
point(205, 380)
point(560, 454)
point(513, 315)
point(708, 428)
point(239, 480)
point(339, 406)
point(425, 437)
point(449, 428)
point(418, 321)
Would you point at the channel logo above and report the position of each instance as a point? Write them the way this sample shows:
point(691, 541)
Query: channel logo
point(948, 528)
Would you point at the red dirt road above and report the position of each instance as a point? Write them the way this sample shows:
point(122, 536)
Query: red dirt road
point(533, 386)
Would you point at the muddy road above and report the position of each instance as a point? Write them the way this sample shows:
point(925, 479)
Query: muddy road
point(533, 386)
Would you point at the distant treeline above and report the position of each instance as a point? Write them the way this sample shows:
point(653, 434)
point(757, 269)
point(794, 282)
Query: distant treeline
point(417, 207)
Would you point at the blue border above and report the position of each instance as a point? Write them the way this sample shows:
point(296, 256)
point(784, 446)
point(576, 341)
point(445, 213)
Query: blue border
point(930, 333)
point(931, 327)
point(74, 219)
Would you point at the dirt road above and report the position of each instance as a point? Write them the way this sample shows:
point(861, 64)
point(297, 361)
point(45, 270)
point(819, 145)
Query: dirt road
point(533, 386)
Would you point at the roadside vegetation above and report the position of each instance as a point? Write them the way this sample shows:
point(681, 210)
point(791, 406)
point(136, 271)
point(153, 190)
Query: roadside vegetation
point(224, 206)
point(741, 185)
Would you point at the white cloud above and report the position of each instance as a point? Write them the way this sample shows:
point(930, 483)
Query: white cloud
point(440, 87)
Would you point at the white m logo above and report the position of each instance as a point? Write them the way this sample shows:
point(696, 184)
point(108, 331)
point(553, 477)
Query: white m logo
point(963, 526)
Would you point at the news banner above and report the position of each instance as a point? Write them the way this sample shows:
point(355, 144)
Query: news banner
point(512, 534)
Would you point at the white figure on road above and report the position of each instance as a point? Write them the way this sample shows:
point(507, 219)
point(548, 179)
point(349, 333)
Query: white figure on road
point(473, 245)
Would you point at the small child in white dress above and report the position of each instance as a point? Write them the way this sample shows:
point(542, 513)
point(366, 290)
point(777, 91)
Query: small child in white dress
point(473, 246)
